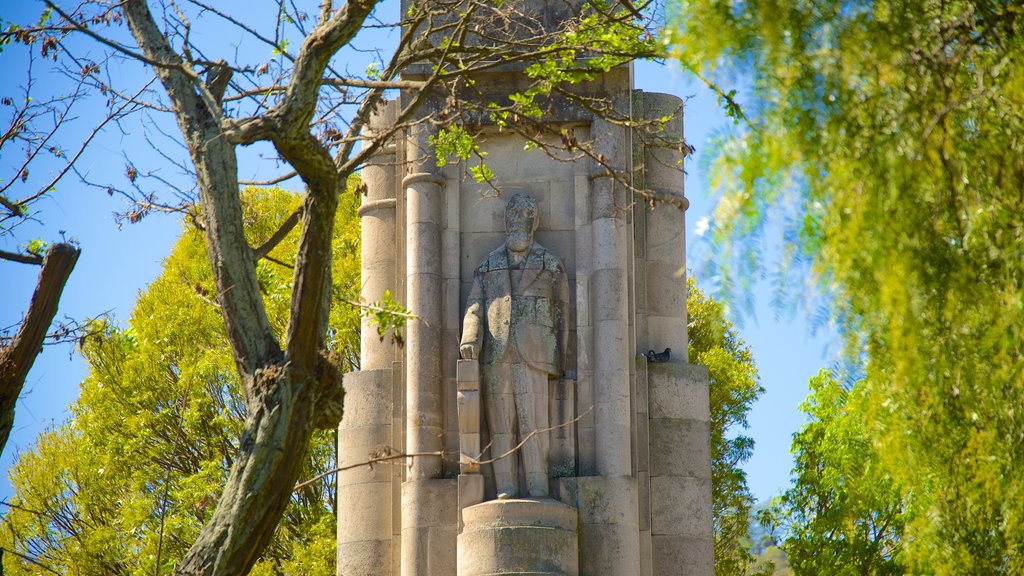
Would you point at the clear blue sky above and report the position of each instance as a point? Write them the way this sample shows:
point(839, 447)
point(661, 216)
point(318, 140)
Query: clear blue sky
point(116, 264)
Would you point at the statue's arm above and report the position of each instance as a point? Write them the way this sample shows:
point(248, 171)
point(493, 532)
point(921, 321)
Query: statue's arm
point(472, 333)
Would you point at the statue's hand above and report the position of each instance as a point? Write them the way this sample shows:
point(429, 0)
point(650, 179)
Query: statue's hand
point(468, 351)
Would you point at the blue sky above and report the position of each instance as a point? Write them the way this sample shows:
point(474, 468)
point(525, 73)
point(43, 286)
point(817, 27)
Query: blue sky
point(117, 263)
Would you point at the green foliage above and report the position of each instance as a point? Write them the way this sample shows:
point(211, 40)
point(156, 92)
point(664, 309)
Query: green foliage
point(774, 556)
point(36, 246)
point(843, 514)
point(734, 388)
point(605, 36)
point(126, 484)
point(455, 141)
point(887, 139)
point(387, 315)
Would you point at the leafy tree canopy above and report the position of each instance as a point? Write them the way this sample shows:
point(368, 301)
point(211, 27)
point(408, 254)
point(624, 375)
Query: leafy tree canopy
point(734, 388)
point(843, 514)
point(886, 138)
point(126, 484)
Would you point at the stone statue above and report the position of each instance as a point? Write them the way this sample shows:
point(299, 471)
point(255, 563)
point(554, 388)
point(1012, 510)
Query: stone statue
point(516, 323)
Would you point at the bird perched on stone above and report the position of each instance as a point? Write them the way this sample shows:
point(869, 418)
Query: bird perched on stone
point(653, 356)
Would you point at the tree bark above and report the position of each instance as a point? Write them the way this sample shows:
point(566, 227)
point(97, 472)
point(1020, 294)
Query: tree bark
point(290, 392)
point(270, 456)
point(17, 358)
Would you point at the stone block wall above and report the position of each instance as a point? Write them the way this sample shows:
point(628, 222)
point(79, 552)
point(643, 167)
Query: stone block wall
point(682, 536)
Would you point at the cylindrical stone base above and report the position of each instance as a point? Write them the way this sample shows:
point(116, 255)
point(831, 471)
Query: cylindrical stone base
point(518, 537)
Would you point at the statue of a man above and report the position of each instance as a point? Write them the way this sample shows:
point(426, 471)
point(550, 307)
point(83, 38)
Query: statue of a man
point(516, 323)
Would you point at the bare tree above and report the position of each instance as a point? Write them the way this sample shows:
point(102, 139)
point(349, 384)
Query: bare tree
point(311, 108)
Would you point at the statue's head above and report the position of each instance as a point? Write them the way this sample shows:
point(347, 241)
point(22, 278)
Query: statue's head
point(521, 221)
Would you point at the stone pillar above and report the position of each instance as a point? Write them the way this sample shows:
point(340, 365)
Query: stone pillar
point(429, 503)
point(378, 248)
point(682, 534)
point(665, 228)
point(365, 494)
point(518, 537)
point(429, 527)
point(609, 203)
point(608, 502)
point(424, 406)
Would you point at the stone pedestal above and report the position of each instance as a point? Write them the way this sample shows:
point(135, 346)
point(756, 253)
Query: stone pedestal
point(518, 537)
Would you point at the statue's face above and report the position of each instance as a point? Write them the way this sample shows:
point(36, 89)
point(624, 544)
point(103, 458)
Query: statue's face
point(520, 222)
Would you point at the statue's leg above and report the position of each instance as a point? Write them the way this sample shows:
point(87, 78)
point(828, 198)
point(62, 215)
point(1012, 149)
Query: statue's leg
point(500, 406)
point(535, 450)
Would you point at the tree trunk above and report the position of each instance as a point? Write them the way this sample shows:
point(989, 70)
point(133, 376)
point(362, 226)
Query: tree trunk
point(17, 358)
point(277, 434)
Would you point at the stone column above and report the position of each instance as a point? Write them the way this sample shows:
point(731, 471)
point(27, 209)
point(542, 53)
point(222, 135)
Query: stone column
point(682, 533)
point(609, 203)
point(608, 502)
point(665, 228)
point(519, 537)
point(365, 494)
point(365, 546)
point(429, 503)
point(424, 407)
point(378, 247)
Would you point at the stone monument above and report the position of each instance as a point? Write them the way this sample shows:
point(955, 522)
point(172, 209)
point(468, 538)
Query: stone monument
point(516, 321)
point(534, 296)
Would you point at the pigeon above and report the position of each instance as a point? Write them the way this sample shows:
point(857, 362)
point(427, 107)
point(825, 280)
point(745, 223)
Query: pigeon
point(657, 357)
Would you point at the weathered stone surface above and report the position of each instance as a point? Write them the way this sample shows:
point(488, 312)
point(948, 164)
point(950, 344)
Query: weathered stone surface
point(608, 523)
point(679, 391)
point(682, 555)
point(366, 509)
point(680, 447)
point(367, 398)
point(681, 506)
point(429, 526)
point(365, 558)
point(518, 537)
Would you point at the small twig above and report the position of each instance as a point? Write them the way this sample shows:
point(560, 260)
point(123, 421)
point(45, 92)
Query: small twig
point(369, 462)
point(375, 308)
point(22, 508)
point(279, 235)
point(270, 258)
point(270, 182)
point(440, 453)
point(31, 560)
point(531, 435)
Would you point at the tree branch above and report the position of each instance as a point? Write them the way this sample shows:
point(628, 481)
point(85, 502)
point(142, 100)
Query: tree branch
point(16, 359)
point(277, 236)
point(385, 455)
point(23, 258)
point(249, 331)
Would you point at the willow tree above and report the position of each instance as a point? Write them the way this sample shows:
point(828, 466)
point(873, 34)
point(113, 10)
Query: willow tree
point(302, 103)
point(886, 140)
